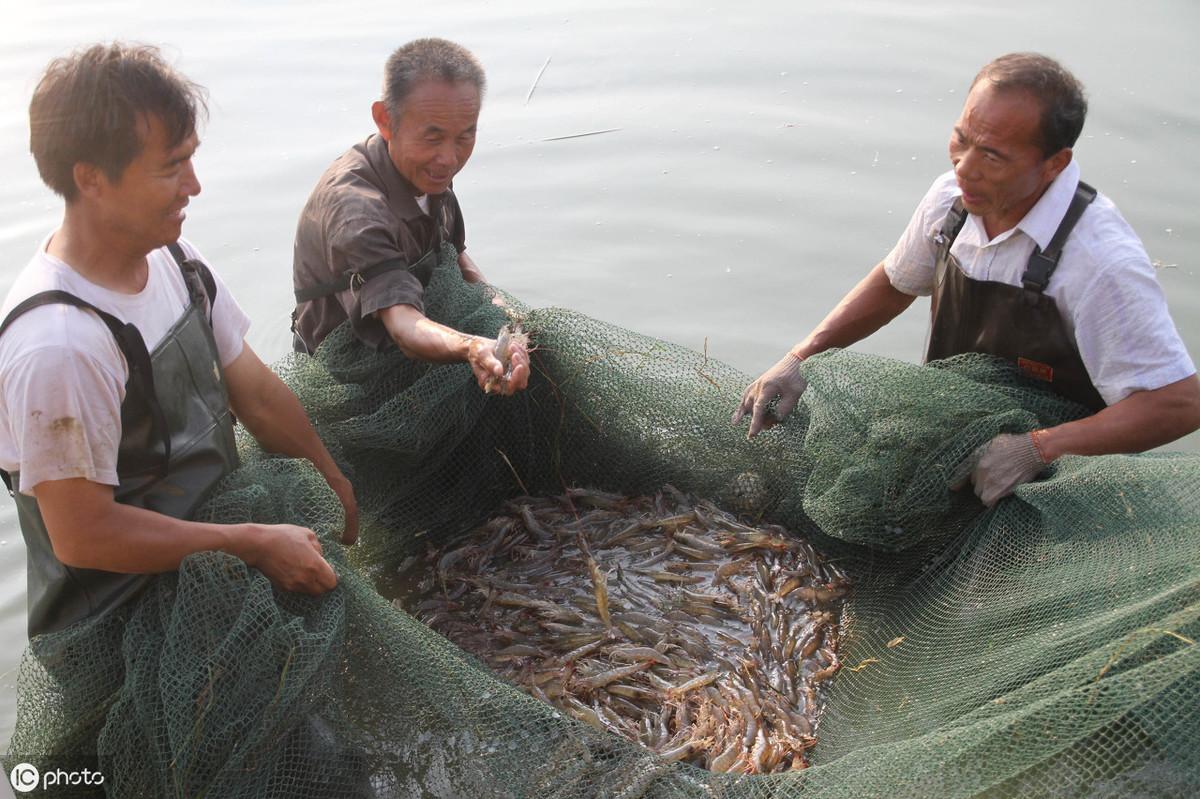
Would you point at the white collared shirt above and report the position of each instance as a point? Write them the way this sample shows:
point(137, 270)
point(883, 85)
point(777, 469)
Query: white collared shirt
point(1105, 286)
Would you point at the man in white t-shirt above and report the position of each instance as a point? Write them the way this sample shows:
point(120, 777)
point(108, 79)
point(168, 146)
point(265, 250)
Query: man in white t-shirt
point(1024, 261)
point(122, 357)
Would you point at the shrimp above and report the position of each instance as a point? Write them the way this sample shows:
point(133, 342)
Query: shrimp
point(508, 335)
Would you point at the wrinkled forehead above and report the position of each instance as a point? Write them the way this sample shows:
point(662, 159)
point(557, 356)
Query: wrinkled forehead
point(438, 100)
point(1009, 107)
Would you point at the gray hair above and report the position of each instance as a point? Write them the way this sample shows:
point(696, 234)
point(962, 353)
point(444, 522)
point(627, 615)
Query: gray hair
point(423, 59)
point(1060, 94)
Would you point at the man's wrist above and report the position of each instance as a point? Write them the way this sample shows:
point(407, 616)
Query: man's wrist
point(1040, 445)
point(240, 540)
point(473, 345)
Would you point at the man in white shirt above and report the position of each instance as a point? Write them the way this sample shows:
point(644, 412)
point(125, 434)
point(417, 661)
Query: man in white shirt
point(1026, 262)
point(122, 356)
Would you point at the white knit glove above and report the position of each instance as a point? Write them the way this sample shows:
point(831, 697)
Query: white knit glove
point(782, 381)
point(1004, 463)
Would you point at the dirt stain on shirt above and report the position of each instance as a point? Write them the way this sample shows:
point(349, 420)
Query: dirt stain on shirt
point(64, 425)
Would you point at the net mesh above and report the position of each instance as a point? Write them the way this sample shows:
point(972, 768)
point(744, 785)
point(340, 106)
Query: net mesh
point(1041, 648)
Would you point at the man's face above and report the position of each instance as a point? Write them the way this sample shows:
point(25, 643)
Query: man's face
point(997, 159)
point(435, 134)
point(144, 206)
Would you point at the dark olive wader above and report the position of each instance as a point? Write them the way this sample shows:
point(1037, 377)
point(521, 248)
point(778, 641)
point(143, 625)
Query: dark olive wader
point(1018, 323)
point(176, 444)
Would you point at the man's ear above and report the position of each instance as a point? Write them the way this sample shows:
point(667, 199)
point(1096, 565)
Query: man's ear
point(383, 120)
point(1056, 163)
point(88, 178)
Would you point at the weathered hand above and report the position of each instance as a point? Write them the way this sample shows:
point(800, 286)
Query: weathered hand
point(481, 357)
point(518, 369)
point(783, 380)
point(493, 295)
point(290, 557)
point(1004, 463)
point(470, 271)
point(490, 371)
point(345, 494)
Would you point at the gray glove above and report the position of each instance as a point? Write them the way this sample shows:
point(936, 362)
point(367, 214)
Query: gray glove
point(1004, 463)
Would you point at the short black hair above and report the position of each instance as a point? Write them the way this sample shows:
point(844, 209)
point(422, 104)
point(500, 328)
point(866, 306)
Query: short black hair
point(1061, 95)
point(88, 107)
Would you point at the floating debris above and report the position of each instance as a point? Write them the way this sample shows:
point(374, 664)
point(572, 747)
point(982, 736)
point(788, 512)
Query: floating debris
point(536, 79)
point(581, 135)
point(663, 620)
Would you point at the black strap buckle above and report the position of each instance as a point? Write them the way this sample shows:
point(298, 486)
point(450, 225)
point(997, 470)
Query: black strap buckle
point(1038, 271)
point(1042, 264)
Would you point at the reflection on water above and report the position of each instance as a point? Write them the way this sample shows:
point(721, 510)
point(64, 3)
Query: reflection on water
point(764, 159)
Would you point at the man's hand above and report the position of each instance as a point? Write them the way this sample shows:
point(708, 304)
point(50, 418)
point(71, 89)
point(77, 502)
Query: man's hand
point(426, 340)
point(89, 529)
point(489, 370)
point(470, 271)
point(1004, 463)
point(782, 380)
point(290, 557)
point(517, 376)
point(345, 494)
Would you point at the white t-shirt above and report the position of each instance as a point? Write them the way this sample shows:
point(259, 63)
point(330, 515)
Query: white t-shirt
point(1105, 287)
point(62, 375)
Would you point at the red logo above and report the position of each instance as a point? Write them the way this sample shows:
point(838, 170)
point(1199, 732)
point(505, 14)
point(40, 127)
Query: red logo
point(1036, 370)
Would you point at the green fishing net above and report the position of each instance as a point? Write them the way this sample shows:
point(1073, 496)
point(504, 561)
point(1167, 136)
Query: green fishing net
point(1041, 648)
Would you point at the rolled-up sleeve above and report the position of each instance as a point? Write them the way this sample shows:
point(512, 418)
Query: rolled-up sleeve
point(910, 265)
point(360, 244)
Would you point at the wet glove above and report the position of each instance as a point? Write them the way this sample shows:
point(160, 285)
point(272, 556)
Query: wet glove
point(1004, 463)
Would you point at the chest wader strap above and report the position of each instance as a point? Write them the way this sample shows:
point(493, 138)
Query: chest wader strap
point(201, 285)
point(129, 340)
point(192, 269)
point(422, 270)
point(956, 217)
point(1042, 264)
point(132, 346)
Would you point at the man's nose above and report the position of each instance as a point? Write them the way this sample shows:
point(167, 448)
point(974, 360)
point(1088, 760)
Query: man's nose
point(191, 183)
point(967, 163)
point(447, 156)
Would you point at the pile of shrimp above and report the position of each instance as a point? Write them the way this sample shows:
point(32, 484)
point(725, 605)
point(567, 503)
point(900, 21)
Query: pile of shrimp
point(663, 620)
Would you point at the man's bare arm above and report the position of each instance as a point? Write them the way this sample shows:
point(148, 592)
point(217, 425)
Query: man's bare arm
point(89, 529)
point(470, 271)
point(867, 307)
point(1141, 421)
point(277, 420)
point(423, 339)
